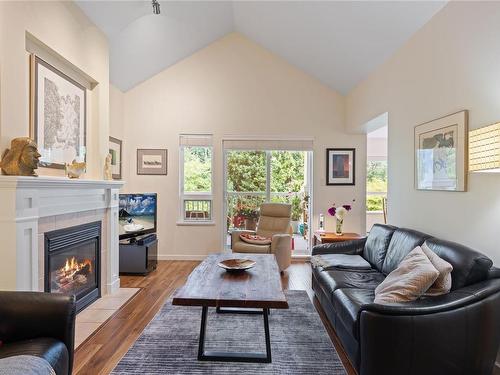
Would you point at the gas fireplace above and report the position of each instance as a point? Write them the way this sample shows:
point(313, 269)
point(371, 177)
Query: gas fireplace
point(72, 262)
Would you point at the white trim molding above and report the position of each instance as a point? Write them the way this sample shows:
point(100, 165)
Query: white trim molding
point(181, 257)
point(29, 203)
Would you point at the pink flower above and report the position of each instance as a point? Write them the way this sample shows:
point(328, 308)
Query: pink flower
point(332, 211)
point(348, 207)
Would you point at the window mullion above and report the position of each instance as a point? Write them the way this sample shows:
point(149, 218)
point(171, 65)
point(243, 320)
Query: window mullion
point(268, 176)
point(181, 182)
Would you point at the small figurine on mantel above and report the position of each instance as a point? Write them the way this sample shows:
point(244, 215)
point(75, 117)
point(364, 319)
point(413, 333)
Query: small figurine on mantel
point(21, 159)
point(75, 169)
point(108, 174)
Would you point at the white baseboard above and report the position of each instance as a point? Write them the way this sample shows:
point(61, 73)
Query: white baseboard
point(295, 258)
point(301, 258)
point(181, 257)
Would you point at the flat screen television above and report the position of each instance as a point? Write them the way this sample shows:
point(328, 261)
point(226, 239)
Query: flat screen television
point(137, 214)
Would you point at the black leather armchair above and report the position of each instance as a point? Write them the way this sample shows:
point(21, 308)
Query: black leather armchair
point(456, 333)
point(39, 324)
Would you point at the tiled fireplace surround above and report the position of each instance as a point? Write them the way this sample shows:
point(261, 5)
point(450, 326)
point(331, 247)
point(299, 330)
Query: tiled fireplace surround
point(33, 206)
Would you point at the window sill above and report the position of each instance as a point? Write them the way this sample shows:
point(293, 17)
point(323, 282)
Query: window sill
point(195, 223)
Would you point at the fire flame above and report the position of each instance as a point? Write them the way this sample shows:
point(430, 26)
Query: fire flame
point(73, 265)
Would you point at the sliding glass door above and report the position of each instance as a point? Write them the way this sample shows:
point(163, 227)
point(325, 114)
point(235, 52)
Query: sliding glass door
point(253, 177)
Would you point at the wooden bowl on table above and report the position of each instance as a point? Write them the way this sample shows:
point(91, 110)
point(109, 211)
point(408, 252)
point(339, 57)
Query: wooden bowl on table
point(236, 265)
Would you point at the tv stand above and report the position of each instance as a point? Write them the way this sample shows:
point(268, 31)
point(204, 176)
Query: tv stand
point(140, 240)
point(139, 255)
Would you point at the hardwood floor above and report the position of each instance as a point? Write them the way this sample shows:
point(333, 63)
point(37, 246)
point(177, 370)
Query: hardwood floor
point(100, 353)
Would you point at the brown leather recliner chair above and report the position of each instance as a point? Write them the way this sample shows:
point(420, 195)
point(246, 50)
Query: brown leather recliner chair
point(274, 222)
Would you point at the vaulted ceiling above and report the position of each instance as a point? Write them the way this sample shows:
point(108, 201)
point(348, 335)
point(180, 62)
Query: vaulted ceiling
point(338, 42)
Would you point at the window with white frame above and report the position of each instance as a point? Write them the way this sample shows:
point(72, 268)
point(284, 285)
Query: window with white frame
point(196, 178)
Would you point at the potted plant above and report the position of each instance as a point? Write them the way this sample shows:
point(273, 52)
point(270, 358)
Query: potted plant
point(303, 228)
point(296, 213)
point(250, 216)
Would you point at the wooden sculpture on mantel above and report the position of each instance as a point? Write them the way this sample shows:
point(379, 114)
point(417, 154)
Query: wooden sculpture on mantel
point(108, 174)
point(21, 159)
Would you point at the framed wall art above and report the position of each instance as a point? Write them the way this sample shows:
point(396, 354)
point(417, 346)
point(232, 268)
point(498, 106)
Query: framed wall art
point(58, 115)
point(441, 153)
point(340, 166)
point(152, 161)
point(115, 150)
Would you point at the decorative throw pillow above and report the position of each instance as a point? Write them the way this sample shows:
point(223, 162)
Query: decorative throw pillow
point(255, 239)
point(442, 285)
point(414, 275)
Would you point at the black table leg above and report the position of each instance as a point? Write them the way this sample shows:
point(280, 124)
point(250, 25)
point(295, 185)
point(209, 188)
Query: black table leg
point(231, 356)
point(237, 310)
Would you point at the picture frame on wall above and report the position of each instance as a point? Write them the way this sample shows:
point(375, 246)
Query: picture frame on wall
point(441, 153)
point(340, 166)
point(152, 161)
point(58, 106)
point(115, 150)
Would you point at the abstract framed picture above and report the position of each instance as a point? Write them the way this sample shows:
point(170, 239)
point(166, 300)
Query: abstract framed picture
point(441, 153)
point(115, 150)
point(152, 161)
point(340, 166)
point(58, 115)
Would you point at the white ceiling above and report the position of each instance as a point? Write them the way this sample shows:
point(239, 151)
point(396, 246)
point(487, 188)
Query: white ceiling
point(338, 42)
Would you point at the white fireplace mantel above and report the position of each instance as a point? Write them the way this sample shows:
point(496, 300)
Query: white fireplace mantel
point(27, 201)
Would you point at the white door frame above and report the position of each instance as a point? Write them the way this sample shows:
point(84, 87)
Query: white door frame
point(308, 188)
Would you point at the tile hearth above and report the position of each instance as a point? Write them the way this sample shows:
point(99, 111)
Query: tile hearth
point(94, 316)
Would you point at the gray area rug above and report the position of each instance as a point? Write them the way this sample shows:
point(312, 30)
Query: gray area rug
point(299, 342)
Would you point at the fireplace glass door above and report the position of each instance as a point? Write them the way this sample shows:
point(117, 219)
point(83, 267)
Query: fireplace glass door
point(73, 270)
point(72, 262)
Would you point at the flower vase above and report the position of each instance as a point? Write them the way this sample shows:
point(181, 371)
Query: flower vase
point(338, 227)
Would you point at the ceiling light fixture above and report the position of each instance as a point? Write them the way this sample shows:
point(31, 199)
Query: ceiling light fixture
point(156, 6)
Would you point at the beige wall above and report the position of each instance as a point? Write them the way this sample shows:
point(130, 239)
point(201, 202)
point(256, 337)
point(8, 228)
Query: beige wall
point(116, 119)
point(66, 30)
point(451, 64)
point(116, 115)
point(233, 87)
point(376, 148)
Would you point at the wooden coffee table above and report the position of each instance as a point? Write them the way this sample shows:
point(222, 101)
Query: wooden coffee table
point(254, 291)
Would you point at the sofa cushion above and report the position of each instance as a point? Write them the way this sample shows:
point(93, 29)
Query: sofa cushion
point(413, 277)
point(274, 219)
point(403, 241)
point(377, 243)
point(442, 285)
point(331, 280)
point(25, 365)
point(347, 303)
point(341, 261)
point(469, 266)
point(244, 247)
point(50, 349)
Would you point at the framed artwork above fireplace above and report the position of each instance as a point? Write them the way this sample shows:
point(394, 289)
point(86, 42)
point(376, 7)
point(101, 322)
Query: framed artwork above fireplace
point(58, 115)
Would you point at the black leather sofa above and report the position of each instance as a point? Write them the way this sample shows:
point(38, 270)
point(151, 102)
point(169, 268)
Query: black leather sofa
point(38, 324)
point(456, 333)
